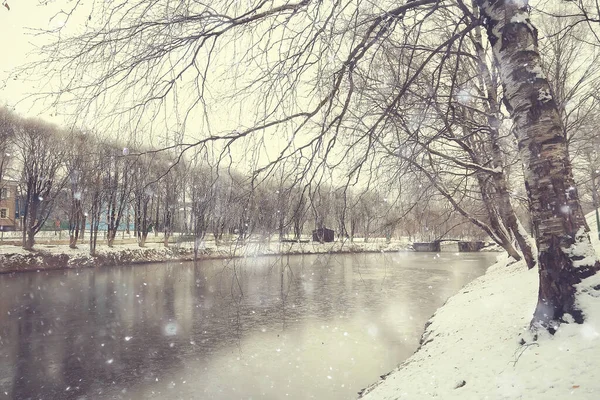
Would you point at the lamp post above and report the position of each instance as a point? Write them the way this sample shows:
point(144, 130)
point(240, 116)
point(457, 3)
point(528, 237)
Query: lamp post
point(595, 175)
point(598, 222)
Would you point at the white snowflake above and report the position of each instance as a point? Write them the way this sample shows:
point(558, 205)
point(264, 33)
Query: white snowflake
point(464, 97)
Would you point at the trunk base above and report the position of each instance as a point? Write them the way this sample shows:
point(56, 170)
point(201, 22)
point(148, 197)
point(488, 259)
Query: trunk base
point(557, 290)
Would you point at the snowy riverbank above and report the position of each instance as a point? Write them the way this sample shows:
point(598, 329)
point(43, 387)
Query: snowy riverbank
point(471, 347)
point(14, 258)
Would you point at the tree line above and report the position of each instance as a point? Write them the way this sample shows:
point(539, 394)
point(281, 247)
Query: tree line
point(91, 182)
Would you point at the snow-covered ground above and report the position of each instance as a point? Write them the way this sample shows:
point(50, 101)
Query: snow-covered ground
point(15, 258)
point(472, 347)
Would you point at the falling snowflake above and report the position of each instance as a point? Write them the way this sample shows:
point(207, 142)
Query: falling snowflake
point(373, 330)
point(170, 329)
point(464, 97)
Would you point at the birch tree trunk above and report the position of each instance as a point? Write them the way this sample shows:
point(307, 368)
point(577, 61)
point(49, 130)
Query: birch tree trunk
point(496, 209)
point(503, 202)
point(566, 256)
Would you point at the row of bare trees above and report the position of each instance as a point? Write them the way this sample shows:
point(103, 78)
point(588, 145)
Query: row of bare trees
point(73, 175)
point(107, 188)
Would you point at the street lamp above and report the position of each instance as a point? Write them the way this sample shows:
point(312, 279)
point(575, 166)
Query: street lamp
point(598, 222)
point(595, 175)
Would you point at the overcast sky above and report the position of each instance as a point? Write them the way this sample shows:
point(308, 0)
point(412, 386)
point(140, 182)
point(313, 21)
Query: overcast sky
point(17, 27)
point(18, 41)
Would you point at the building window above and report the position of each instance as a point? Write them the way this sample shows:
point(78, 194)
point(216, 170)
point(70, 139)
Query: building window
point(3, 213)
point(4, 193)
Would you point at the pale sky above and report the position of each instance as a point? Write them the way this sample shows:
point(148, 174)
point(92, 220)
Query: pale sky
point(17, 43)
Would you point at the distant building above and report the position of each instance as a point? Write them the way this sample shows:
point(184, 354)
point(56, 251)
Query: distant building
point(323, 235)
point(8, 202)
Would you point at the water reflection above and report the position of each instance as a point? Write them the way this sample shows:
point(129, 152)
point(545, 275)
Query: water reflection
point(297, 327)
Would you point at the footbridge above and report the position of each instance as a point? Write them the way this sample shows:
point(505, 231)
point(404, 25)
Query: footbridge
point(436, 245)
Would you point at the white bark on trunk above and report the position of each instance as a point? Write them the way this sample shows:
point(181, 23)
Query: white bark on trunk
point(559, 223)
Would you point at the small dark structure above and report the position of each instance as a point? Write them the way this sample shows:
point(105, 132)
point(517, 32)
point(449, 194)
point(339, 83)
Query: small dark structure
point(427, 246)
point(323, 235)
point(466, 247)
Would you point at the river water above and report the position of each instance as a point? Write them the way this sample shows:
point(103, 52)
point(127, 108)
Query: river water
point(295, 327)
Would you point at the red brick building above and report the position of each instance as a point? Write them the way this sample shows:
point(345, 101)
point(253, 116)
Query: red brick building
point(8, 201)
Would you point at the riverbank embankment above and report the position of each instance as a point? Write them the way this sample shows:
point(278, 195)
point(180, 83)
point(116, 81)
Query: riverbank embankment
point(479, 346)
point(46, 257)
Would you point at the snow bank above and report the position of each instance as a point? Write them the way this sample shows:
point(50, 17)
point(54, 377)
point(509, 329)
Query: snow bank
point(478, 346)
point(14, 258)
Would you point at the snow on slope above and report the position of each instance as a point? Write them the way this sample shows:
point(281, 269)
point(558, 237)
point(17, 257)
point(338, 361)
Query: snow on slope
point(472, 348)
point(15, 258)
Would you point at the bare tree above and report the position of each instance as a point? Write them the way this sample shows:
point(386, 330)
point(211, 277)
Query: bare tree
point(6, 139)
point(170, 187)
point(144, 185)
point(97, 191)
point(572, 65)
point(118, 186)
point(77, 170)
point(202, 201)
point(298, 212)
point(41, 154)
point(309, 86)
point(560, 229)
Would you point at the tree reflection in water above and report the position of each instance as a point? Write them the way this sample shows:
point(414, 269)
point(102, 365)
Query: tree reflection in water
point(308, 325)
